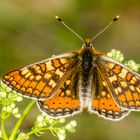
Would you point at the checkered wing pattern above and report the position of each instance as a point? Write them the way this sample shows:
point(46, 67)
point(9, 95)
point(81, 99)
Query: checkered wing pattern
point(103, 103)
point(41, 80)
point(66, 101)
point(124, 83)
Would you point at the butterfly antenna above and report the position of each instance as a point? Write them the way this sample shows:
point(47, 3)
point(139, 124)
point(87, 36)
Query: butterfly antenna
point(59, 19)
point(105, 28)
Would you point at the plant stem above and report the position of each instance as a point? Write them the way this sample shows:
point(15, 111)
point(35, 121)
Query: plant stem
point(20, 120)
point(3, 130)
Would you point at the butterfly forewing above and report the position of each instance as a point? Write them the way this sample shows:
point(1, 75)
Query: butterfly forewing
point(123, 83)
point(41, 80)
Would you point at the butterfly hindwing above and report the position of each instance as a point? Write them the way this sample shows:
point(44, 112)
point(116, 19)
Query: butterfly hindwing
point(65, 102)
point(123, 82)
point(103, 103)
point(42, 79)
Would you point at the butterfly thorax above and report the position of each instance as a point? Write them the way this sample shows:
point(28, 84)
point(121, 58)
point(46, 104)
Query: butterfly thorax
point(86, 60)
point(87, 56)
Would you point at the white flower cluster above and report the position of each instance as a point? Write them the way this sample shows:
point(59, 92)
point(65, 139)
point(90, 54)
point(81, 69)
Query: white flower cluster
point(116, 54)
point(61, 134)
point(69, 127)
point(43, 121)
point(8, 99)
point(12, 109)
point(132, 65)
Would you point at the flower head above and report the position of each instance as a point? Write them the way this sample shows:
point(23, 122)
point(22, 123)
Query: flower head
point(116, 54)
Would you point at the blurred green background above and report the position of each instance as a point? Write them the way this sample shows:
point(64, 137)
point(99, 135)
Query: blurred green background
point(30, 33)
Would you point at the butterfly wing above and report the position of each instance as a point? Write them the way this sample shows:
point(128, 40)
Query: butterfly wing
point(41, 80)
point(103, 103)
point(123, 83)
point(66, 101)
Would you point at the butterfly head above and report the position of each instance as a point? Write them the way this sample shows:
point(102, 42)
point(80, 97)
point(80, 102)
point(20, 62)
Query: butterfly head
point(87, 43)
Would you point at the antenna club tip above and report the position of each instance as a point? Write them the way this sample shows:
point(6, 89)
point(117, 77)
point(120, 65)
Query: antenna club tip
point(58, 18)
point(116, 18)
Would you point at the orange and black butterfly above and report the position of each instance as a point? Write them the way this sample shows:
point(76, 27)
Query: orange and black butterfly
point(69, 83)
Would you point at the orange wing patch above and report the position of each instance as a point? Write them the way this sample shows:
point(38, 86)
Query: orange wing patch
point(105, 106)
point(39, 80)
point(63, 103)
point(108, 109)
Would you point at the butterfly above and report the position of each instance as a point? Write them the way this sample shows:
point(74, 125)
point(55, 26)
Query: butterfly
point(69, 83)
